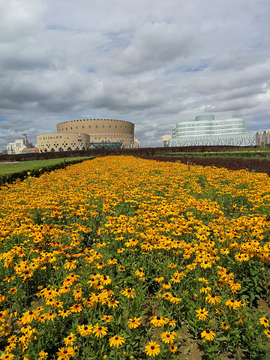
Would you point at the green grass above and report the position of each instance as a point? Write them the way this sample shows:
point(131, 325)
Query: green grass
point(31, 165)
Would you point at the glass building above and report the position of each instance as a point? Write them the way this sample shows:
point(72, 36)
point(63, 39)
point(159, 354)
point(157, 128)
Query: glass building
point(206, 130)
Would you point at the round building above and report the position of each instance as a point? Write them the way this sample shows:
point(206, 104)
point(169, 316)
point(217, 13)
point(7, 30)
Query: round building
point(88, 133)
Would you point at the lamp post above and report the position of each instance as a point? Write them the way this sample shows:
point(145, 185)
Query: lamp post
point(80, 140)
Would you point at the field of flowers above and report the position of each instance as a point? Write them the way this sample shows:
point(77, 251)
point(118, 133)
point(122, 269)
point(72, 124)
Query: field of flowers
point(120, 258)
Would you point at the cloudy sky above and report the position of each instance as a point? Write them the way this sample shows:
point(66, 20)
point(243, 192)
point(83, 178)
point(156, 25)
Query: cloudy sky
point(151, 62)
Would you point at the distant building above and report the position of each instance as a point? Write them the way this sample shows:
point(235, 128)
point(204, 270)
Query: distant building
point(165, 140)
point(136, 144)
point(88, 133)
point(16, 147)
point(262, 136)
point(206, 130)
point(30, 150)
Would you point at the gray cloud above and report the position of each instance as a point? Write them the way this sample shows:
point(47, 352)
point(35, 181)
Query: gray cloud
point(153, 46)
point(150, 62)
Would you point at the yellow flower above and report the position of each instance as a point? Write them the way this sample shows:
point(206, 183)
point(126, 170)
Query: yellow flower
point(233, 304)
point(212, 299)
point(168, 337)
point(70, 339)
point(173, 348)
point(64, 353)
point(116, 340)
point(42, 355)
point(264, 322)
point(152, 349)
point(208, 335)
point(99, 330)
point(134, 323)
point(107, 318)
point(85, 330)
point(113, 303)
point(128, 293)
point(225, 326)
point(76, 308)
point(158, 321)
point(205, 289)
point(202, 314)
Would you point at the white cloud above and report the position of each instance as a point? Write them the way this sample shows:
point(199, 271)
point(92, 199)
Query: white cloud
point(150, 62)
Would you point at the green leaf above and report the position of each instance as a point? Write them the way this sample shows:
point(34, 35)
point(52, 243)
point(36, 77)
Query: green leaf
point(222, 338)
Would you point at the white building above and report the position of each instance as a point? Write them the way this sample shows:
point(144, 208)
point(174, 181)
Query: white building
point(16, 147)
point(206, 130)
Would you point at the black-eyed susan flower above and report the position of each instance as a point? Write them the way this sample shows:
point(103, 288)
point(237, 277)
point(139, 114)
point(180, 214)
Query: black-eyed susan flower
point(139, 272)
point(166, 285)
point(168, 337)
point(128, 292)
point(107, 318)
point(64, 313)
point(76, 308)
point(175, 300)
point(69, 340)
point(158, 321)
point(116, 340)
point(167, 296)
point(208, 335)
point(7, 356)
point(152, 348)
point(12, 290)
point(112, 261)
point(202, 314)
point(99, 331)
point(173, 348)
point(29, 316)
point(42, 355)
point(113, 303)
point(205, 289)
point(225, 326)
point(85, 330)
point(64, 353)
point(213, 299)
point(134, 323)
point(233, 304)
point(264, 322)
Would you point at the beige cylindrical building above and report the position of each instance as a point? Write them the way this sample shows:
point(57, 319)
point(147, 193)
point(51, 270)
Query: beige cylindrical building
point(88, 133)
point(101, 130)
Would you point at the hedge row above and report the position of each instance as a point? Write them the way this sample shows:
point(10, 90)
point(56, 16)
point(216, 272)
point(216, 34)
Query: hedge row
point(231, 154)
point(257, 165)
point(10, 178)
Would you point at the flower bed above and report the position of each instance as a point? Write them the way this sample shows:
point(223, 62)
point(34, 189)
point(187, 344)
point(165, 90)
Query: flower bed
point(123, 258)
